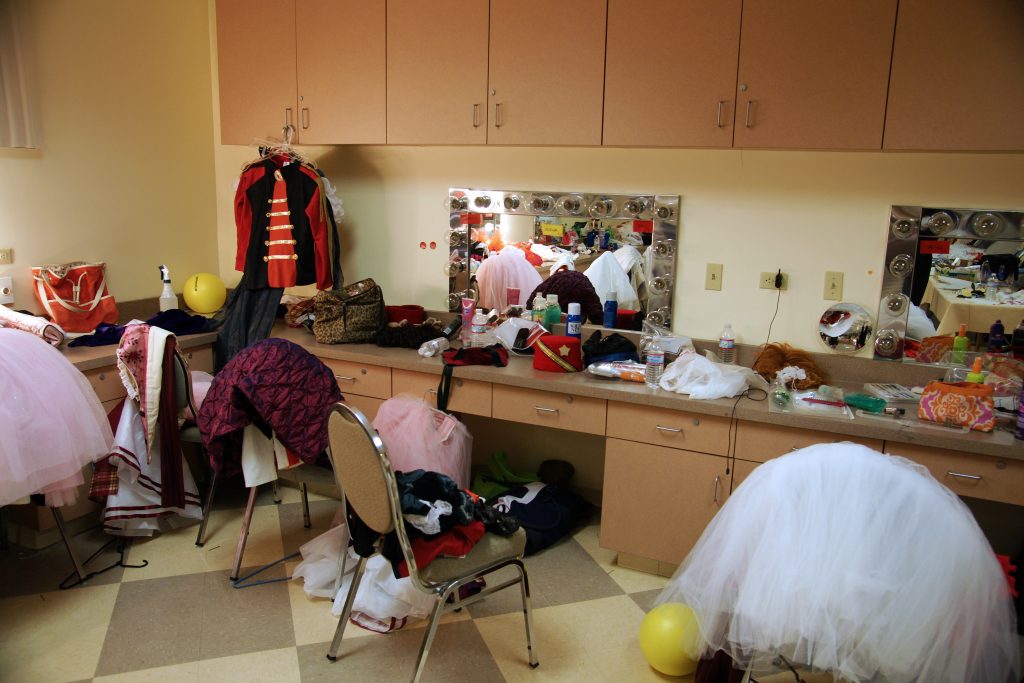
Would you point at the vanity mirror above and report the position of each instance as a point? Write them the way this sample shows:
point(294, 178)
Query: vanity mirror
point(846, 328)
point(629, 239)
point(947, 267)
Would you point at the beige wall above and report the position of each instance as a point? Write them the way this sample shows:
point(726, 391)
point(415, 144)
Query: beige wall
point(806, 212)
point(125, 171)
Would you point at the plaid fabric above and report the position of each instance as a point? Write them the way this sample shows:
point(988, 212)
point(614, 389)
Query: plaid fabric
point(104, 481)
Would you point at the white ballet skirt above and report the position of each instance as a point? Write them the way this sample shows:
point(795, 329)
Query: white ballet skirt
point(853, 562)
point(420, 437)
point(51, 421)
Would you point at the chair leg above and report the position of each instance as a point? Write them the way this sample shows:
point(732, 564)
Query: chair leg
point(305, 505)
point(58, 517)
point(339, 632)
point(428, 638)
point(201, 536)
point(277, 492)
point(527, 613)
point(243, 535)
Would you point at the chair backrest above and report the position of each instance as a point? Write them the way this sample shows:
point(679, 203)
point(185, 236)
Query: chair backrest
point(360, 463)
point(183, 397)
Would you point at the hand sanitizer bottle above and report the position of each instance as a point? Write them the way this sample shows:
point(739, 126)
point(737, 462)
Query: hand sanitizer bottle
point(168, 299)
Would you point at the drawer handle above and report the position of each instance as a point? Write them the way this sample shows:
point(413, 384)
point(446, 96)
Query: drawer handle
point(958, 475)
point(431, 391)
point(102, 376)
point(343, 378)
point(552, 411)
point(714, 496)
point(670, 430)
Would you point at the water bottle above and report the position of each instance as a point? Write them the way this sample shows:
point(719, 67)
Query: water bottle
point(727, 345)
point(553, 312)
point(574, 321)
point(655, 365)
point(478, 331)
point(992, 288)
point(611, 309)
point(539, 304)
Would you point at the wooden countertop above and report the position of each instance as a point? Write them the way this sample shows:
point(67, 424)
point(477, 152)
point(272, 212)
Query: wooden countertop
point(520, 373)
point(92, 357)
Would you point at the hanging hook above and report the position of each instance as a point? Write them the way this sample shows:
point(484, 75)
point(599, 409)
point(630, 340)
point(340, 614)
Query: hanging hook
point(288, 132)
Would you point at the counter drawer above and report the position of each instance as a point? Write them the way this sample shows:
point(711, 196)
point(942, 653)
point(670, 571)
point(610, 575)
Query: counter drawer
point(967, 474)
point(106, 382)
point(468, 396)
point(758, 442)
point(368, 405)
point(361, 378)
point(666, 427)
point(549, 409)
point(199, 358)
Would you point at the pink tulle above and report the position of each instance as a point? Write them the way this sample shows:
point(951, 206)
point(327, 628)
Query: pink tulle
point(501, 271)
point(51, 420)
point(419, 437)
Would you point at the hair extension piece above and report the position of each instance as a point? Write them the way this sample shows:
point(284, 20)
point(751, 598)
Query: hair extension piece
point(775, 356)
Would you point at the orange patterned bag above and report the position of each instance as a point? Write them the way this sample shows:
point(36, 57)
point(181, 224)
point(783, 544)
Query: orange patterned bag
point(960, 404)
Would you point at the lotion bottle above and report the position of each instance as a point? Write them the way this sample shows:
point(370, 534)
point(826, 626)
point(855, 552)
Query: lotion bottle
point(960, 344)
point(168, 299)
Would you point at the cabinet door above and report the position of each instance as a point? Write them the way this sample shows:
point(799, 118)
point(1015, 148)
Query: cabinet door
point(546, 72)
point(957, 76)
point(670, 72)
point(341, 71)
point(657, 501)
point(257, 74)
point(437, 72)
point(813, 74)
point(967, 474)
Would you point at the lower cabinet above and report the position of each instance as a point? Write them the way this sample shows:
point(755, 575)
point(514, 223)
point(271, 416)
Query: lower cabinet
point(368, 405)
point(967, 474)
point(467, 396)
point(658, 500)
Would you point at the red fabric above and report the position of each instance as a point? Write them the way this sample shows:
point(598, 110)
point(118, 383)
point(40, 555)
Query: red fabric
point(172, 477)
point(280, 272)
point(104, 478)
point(320, 226)
point(411, 312)
point(243, 213)
point(456, 542)
point(624, 318)
point(567, 349)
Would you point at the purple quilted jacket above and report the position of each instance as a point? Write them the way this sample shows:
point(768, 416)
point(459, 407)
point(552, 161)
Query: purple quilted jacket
point(273, 384)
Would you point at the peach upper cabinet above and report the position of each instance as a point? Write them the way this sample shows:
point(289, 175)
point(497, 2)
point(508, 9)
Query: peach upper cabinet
point(546, 72)
point(813, 74)
point(317, 66)
point(437, 72)
point(670, 72)
point(957, 79)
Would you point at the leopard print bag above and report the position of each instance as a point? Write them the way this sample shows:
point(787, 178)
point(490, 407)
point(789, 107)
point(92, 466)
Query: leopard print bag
point(350, 316)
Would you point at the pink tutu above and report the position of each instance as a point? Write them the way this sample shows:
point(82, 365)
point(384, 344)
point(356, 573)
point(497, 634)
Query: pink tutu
point(418, 437)
point(52, 422)
point(496, 274)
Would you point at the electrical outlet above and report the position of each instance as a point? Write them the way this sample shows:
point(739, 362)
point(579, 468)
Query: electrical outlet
point(6, 290)
point(713, 277)
point(767, 281)
point(6, 256)
point(833, 286)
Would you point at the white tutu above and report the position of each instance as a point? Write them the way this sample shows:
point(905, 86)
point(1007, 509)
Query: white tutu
point(50, 418)
point(853, 562)
point(419, 437)
point(508, 268)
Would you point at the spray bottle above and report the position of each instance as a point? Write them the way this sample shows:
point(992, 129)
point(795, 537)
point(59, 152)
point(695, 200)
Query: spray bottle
point(168, 299)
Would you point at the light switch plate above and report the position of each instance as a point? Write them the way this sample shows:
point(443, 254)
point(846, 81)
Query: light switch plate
point(6, 290)
point(833, 286)
point(713, 277)
point(6, 256)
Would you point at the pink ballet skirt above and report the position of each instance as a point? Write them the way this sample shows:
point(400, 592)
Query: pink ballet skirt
point(419, 437)
point(51, 420)
point(497, 273)
point(852, 562)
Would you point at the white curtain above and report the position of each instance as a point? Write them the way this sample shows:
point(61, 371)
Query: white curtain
point(17, 118)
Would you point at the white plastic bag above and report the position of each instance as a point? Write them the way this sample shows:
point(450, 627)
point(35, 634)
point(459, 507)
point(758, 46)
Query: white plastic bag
point(703, 379)
point(608, 276)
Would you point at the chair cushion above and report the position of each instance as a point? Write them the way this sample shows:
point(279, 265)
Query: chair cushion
point(490, 549)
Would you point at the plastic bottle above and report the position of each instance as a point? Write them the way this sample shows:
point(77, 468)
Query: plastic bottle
point(611, 309)
point(1018, 341)
point(655, 365)
point(539, 304)
point(992, 288)
point(553, 312)
point(727, 345)
point(478, 330)
point(168, 299)
point(976, 375)
point(960, 344)
point(996, 337)
point(574, 322)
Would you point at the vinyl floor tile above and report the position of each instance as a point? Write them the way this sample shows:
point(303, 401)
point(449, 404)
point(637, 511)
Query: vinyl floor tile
point(293, 533)
point(270, 666)
point(629, 580)
point(645, 599)
point(458, 653)
point(56, 636)
point(24, 571)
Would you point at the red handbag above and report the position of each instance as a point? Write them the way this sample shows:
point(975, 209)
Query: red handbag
point(75, 295)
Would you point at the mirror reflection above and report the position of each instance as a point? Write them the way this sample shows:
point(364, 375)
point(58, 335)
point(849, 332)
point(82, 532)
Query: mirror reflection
point(507, 248)
point(845, 328)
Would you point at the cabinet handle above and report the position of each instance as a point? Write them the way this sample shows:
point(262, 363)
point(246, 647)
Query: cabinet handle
point(671, 430)
point(497, 114)
point(552, 411)
point(476, 115)
point(718, 115)
point(102, 376)
point(714, 497)
point(304, 112)
point(958, 475)
point(746, 116)
point(343, 378)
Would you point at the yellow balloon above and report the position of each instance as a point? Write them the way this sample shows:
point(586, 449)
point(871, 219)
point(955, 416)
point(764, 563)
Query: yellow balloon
point(204, 293)
point(670, 639)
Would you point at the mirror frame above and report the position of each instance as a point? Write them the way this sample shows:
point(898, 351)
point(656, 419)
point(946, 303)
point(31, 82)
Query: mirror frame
point(908, 225)
point(662, 209)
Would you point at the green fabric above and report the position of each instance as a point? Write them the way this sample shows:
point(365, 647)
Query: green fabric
point(496, 478)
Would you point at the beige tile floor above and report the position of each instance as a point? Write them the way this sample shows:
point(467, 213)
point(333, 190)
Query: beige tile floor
point(179, 619)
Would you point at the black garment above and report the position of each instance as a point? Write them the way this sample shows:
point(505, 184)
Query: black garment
point(552, 514)
point(248, 317)
point(614, 347)
point(418, 486)
point(176, 321)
